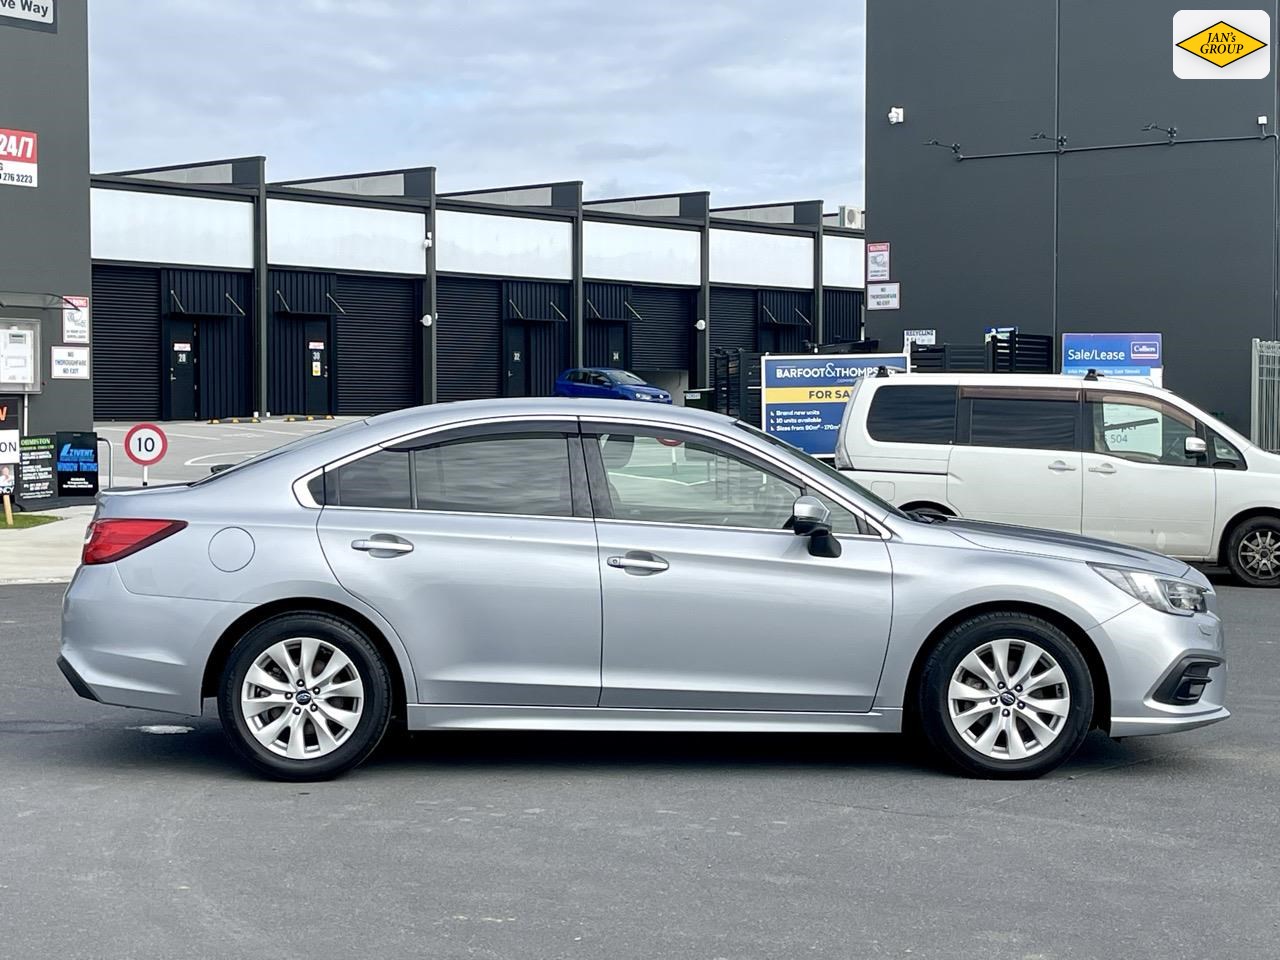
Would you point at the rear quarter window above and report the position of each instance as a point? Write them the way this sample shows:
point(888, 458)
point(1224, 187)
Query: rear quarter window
point(911, 413)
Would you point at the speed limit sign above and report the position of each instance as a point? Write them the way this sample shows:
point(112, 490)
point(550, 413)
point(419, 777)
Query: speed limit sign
point(146, 444)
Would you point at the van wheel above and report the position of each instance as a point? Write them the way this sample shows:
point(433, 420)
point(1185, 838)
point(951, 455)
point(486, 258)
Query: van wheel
point(304, 696)
point(1253, 552)
point(1005, 696)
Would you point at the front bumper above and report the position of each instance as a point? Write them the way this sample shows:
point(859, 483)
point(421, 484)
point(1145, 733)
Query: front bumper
point(1149, 658)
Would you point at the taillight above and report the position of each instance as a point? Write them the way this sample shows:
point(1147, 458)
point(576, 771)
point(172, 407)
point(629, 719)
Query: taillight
point(111, 540)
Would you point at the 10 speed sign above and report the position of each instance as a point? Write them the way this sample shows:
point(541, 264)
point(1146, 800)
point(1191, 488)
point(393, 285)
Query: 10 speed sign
point(146, 444)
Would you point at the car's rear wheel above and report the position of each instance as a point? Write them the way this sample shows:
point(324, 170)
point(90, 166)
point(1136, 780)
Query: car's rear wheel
point(1005, 695)
point(1253, 552)
point(304, 697)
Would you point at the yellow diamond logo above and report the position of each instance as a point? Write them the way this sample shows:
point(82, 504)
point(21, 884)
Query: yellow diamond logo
point(1221, 44)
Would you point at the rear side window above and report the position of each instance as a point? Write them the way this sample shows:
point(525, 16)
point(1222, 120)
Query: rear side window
point(526, 474)
point(913, 414)
point(1027, 420)
point(380, 480)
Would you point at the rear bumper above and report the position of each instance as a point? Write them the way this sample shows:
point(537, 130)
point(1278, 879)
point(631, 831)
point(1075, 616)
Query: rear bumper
point(77, 682)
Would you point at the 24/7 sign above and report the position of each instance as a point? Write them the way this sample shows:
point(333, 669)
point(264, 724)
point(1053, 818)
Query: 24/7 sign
point(19, 158)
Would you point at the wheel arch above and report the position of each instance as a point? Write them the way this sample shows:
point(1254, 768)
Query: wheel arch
point(1229, 528)
point(1097, 669)
point(221, 652)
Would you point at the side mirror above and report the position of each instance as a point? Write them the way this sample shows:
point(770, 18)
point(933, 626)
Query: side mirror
point(1195, 448)
point(811, 518)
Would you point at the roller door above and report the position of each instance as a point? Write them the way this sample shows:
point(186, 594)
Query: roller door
point(660, 340)
point(376, 356)
point(841, 316)
point(126, 343)
point(733, 318)
point(468, 338)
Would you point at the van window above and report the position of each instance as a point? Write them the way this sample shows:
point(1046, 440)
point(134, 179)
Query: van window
point(913, 414)
point(1140, 428)
point(1026, 419)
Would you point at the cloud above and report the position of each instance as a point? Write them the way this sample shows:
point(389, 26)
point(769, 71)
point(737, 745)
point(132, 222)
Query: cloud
point(750, 99)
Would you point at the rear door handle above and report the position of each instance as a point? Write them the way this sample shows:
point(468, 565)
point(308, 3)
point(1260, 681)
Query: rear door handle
point(1103, 468)
point(382, 543)
point(639, 562)
point(1061, 466)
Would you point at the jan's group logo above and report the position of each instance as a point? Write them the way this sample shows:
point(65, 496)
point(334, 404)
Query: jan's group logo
point(1221, 44)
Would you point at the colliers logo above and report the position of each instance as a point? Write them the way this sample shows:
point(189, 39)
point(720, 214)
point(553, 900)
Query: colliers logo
point(1221, 44)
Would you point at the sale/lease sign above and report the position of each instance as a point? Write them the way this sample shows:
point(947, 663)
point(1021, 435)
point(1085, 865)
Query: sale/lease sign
point(19, 158)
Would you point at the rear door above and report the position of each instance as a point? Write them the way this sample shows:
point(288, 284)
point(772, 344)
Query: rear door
point(1018, 460)
point(1140, 487)
point(478, 547)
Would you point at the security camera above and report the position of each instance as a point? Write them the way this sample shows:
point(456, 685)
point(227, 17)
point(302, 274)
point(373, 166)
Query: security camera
point(897, 114)
point(427, 320)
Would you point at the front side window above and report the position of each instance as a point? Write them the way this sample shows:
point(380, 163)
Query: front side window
point(1023, 419)
point(1141, 429)
point(1226, 455)
point(662, 480)
point(913, 414)
point(516, 474)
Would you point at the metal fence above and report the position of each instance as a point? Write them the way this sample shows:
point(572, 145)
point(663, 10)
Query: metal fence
point(1265, 430)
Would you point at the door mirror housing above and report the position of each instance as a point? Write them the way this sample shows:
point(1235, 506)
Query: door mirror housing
point(1195, 447)
point(811, 518)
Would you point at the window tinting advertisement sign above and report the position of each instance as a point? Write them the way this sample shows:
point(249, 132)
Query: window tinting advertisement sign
point(1139, 355)
point(77, 464)
point(804, 396)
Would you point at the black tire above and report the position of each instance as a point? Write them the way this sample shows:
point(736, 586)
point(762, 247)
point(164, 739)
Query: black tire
point(932, 700)
point(1247, 535)
point(375, 706)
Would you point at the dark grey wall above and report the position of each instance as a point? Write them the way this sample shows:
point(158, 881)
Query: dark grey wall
point(1177, 239)
point(44, 232)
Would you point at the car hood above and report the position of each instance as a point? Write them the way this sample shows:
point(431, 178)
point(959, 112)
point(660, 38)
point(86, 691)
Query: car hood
point(1066, 546)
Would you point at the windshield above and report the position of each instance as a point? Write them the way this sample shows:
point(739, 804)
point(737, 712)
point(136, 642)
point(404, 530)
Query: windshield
point(622, 376)
point(299, 444)
point(829, 472)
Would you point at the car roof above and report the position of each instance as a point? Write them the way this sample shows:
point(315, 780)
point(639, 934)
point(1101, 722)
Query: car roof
point(1060, 380)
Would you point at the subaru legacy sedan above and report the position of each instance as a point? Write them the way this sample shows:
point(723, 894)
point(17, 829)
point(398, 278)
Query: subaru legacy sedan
point(586, 565)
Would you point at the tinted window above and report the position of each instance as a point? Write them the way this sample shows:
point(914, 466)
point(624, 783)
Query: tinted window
point(1225, 454)
point(691, 483)
point(526, 474)
point(378, 480)
point(913, 414)
point(1141, 429)
point(1028, 423)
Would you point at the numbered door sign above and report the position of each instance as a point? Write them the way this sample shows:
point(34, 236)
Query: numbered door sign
point(146, 444)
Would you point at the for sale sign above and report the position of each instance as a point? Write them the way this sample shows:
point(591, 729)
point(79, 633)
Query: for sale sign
point(19, 158)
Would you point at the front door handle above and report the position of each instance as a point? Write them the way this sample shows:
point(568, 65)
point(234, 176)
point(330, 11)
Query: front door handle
point(1061, 466)
point(382, 543)
point(1104, 468)
point(638, 562)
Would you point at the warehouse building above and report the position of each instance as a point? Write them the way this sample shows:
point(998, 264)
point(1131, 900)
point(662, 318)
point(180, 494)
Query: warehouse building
point(218, 294)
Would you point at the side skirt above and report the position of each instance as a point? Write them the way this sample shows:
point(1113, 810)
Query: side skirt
point(484, 717)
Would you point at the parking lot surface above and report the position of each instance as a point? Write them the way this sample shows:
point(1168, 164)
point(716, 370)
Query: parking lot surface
point(132, 834)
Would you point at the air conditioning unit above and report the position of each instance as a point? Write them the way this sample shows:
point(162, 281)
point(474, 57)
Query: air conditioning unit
point(855, 218)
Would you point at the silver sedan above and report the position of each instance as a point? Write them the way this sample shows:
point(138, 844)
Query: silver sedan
point(573, 565)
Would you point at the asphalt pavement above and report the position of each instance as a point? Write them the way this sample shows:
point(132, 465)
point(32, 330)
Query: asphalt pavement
point(126, 834)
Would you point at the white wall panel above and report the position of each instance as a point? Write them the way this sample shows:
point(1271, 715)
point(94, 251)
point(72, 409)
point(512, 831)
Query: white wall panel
point(503, 246)
point(167, 228)
point(761, 259)
point(844, 262)
point(337, 237)
point(617, 251)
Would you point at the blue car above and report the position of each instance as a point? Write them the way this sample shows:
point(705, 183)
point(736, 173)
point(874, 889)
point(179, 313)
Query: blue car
point(607, 383)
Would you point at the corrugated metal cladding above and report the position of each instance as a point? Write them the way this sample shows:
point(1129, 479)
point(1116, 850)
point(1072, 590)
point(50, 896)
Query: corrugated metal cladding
point(214, 299)
point(841, 316)
point(468, 338)
point(376, 355)
point(786, 320)
point(661, 340)
point(543, 310)
point(607, 322)
point(295, 296)
point(733, 318)
point(126, 343)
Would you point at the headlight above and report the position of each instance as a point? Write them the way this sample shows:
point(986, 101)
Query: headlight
point(1166, 594)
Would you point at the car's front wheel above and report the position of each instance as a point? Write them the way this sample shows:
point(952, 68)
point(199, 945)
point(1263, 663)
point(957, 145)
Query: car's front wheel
point(304, 697)
point(1005, 695)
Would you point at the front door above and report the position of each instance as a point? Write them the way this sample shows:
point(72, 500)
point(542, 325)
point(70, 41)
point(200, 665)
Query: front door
point(479, 549)
point(316, 372)
point(515, 343)
point(183, 357)
point(1140, 487)
point(1021, 463)
point(617, 345)
point(708, 602)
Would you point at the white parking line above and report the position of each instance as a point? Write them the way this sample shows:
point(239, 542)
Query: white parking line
point(167, 433)
point(195, 461)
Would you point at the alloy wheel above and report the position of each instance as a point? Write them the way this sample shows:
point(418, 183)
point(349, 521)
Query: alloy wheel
point(302, 698)
point(1008, 699)
point(1259, 554)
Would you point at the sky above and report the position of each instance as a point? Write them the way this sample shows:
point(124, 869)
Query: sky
point(754, 100)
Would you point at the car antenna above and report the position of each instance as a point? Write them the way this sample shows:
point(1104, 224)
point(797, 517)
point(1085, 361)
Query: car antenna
point(882, 371)
point(1092, 375)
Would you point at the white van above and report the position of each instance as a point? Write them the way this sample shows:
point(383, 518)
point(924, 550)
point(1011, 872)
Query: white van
point(1115, 459)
